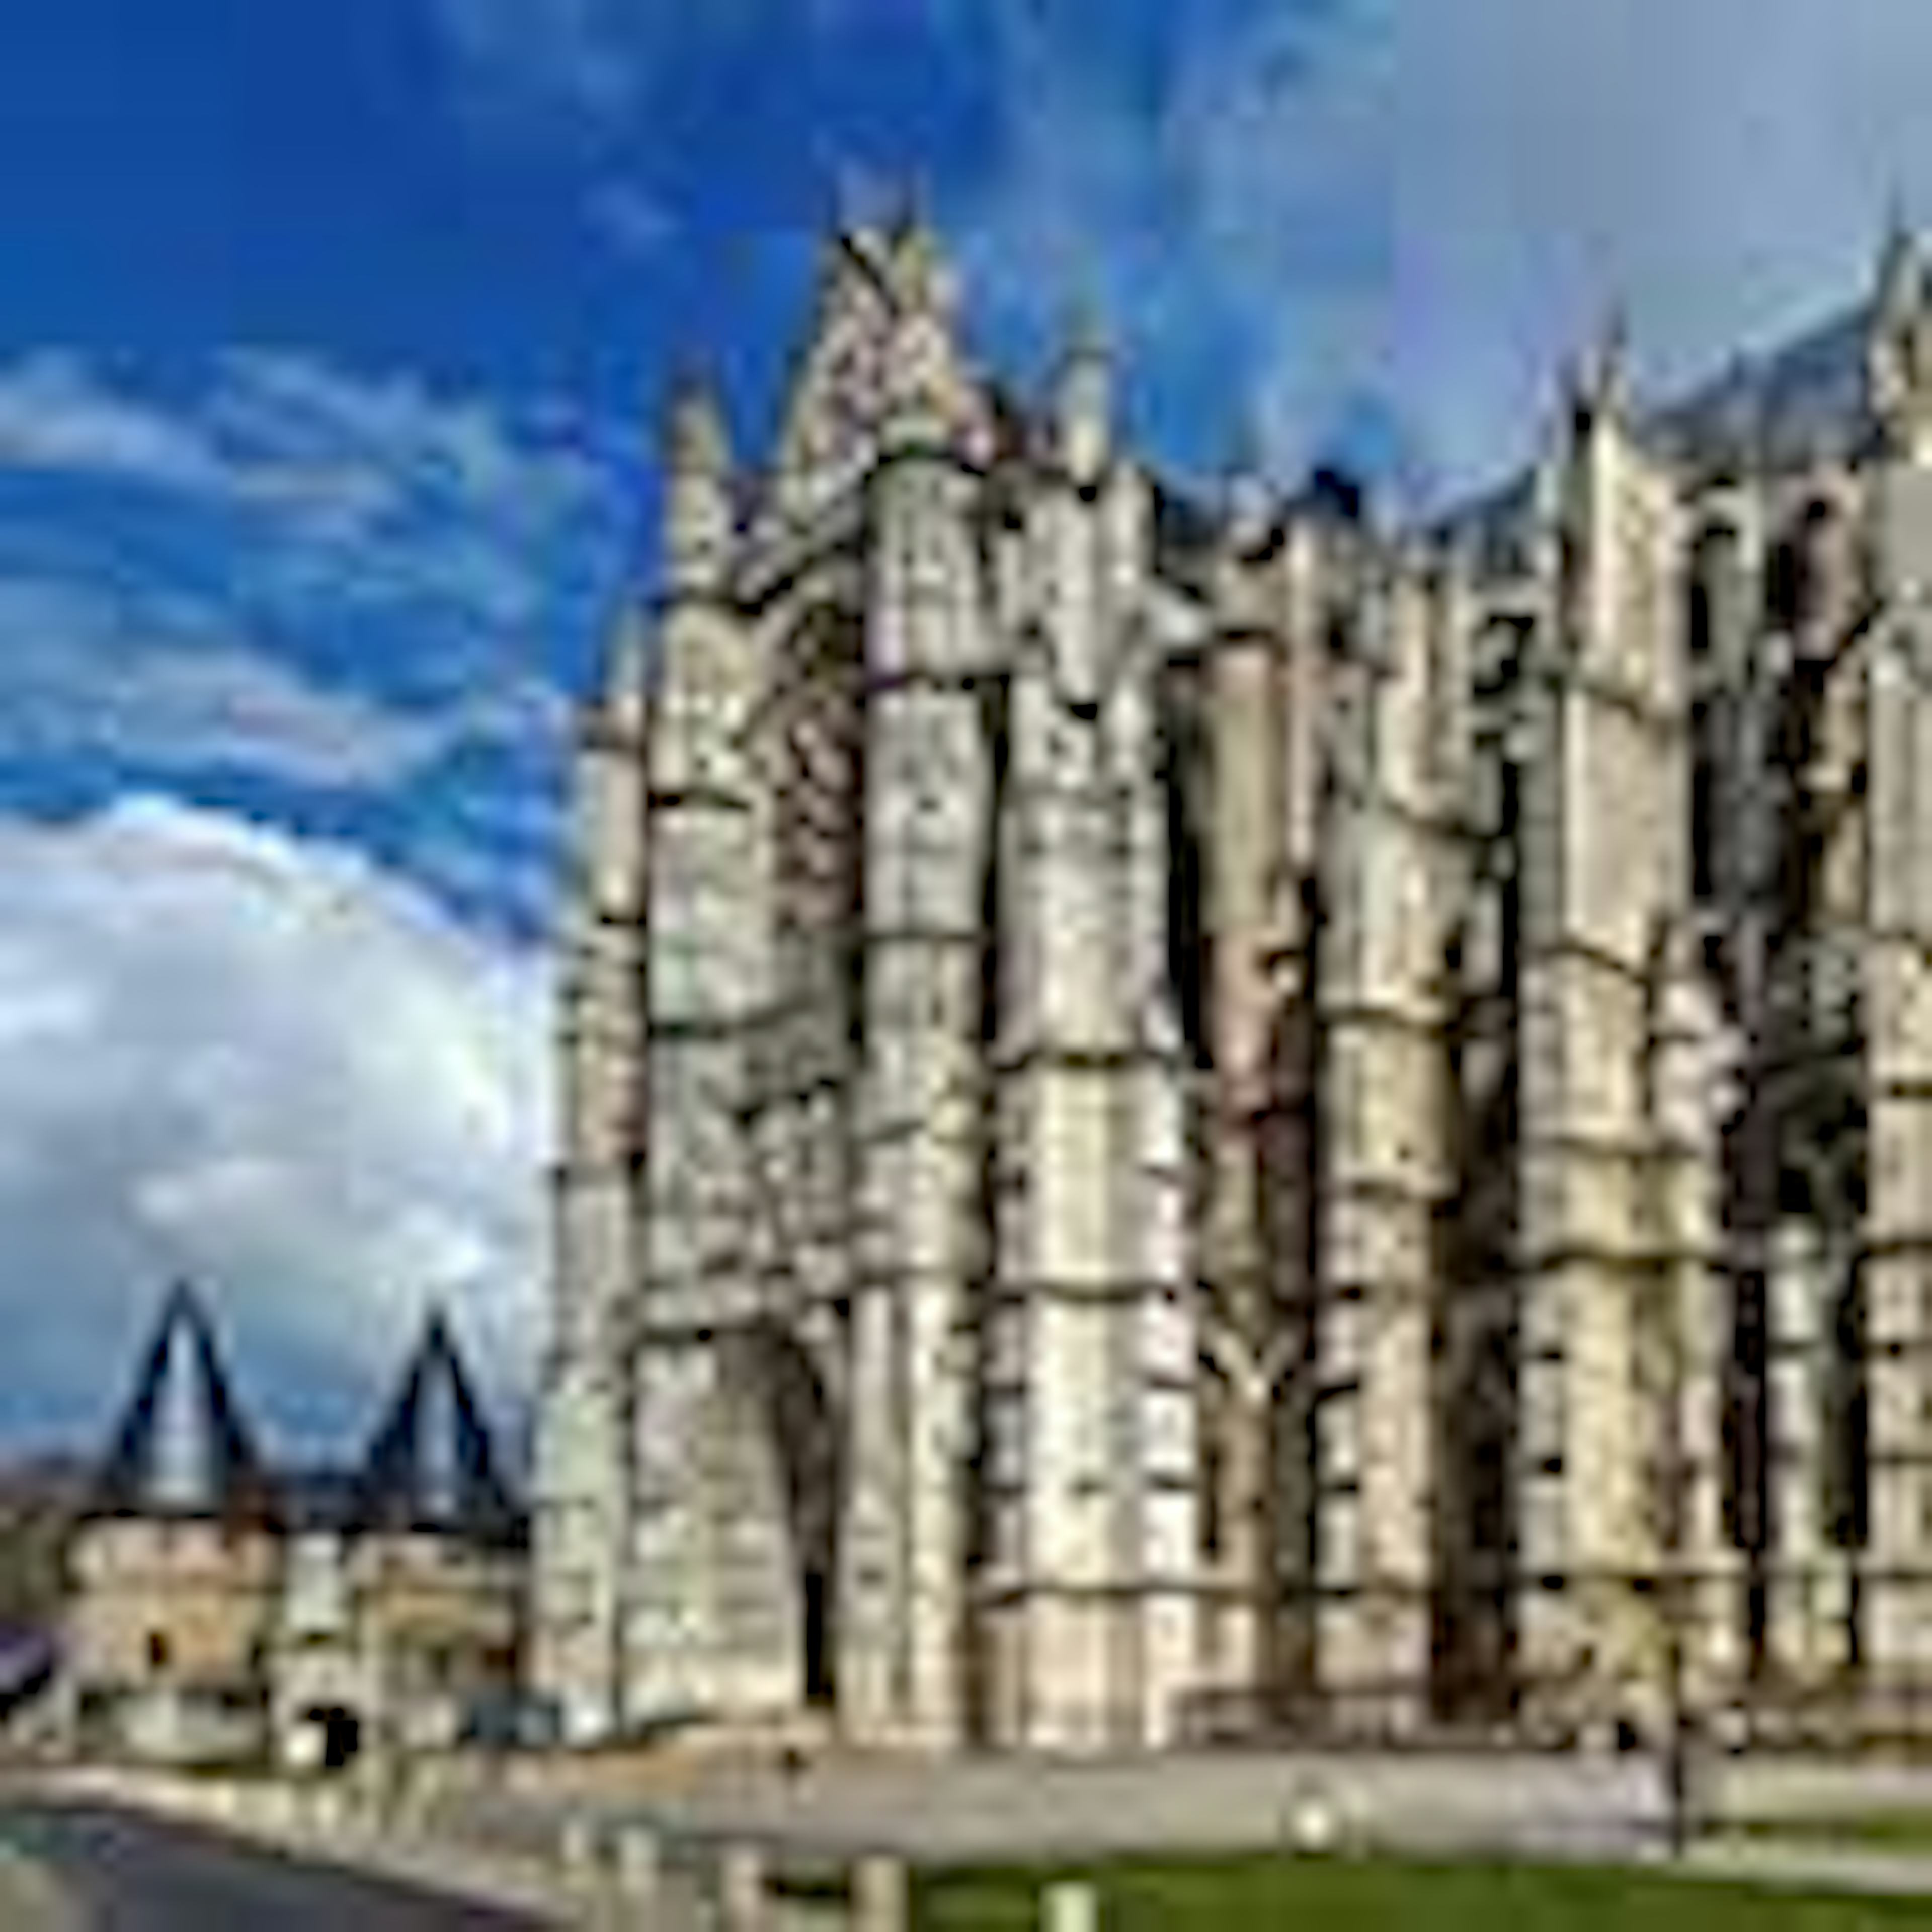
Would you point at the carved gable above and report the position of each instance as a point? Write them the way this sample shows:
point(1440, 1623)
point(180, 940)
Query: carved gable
point(839, 389)
point(882, 338)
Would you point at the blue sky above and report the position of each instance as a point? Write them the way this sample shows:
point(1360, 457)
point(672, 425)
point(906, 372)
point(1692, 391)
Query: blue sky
point(330, 343)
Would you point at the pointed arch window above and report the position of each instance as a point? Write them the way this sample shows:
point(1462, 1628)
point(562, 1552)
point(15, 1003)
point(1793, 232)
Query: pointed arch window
point(1715, 613)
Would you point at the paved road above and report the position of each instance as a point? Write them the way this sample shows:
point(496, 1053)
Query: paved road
point(126, 1873)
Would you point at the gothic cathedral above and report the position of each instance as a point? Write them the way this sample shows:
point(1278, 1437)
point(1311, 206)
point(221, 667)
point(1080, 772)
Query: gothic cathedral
point(1190, 1116)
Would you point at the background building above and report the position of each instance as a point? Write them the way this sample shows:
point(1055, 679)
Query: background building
point(222, 1610)
point(1196, 1111)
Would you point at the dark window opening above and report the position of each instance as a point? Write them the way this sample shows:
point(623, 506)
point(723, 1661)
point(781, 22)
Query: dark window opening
point(1703, 807)
point(1511, 961)
point(1183, 759)
point(1210, 1495)
point(818, 1678)
point(1786, 589)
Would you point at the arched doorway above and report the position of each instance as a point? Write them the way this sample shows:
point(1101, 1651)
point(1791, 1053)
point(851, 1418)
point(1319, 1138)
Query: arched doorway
point(778, 1503)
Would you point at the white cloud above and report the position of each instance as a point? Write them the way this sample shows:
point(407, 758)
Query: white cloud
point(280, 408)
point(1435, 202)
point(582, 70)
point(163, 685)
point(582, 56)
point(57, 415)
point(631, 221)
point(340, 487)
point(264, 1063)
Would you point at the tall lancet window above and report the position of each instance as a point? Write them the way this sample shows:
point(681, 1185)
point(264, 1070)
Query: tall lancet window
point(820, 831)
point(1703, 803)
point(1715, 613)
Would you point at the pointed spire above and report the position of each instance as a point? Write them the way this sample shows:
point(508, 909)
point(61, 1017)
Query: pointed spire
point(696, 441)
point(180, 1447)
point(431, 1465)
point(1247, 496)
point(925, 391)
point(697, 511)
point(1546, 502)
point(1084, 394)
point(923, 278)
point(1600, 385)
point(1898, 342)
point(1900, 276)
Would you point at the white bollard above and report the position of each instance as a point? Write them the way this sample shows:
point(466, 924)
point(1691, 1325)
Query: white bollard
point(638, 1862)
point(1071, 1905)
point(1313, 1826)
point(879, 1895)
point(741, 1888)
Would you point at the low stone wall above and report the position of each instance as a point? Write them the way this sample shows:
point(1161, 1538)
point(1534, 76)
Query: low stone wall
point(1764, 1789)
point(1000, 1809)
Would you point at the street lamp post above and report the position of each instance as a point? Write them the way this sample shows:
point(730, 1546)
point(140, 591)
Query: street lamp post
point(1677, 1743)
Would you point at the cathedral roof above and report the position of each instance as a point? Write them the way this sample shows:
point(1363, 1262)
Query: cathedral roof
point(1802, 402)
point(182, 1448)
point(430, 1466)
point(1782, 409)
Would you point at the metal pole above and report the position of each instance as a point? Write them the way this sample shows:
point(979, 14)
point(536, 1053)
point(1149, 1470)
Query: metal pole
point(1677, 1767)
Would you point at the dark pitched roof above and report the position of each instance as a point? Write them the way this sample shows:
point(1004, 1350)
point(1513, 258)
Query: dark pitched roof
point(320, 1498)
point(1801, 401)
point(430, 1466)
point(181, 1447)
point(1804, 399)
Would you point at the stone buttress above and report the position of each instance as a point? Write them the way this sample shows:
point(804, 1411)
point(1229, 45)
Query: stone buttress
point(582, 1449)
point(1601, 858)
point(1092, 1347)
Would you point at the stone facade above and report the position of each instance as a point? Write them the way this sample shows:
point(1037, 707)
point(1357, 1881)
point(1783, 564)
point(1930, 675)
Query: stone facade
point(1182, 1111)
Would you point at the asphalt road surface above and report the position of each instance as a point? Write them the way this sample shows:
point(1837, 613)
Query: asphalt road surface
point(123, 1872)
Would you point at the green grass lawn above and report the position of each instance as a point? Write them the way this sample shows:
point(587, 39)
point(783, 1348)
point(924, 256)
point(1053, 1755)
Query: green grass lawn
point(1874, 1831)
point(1342, 1893)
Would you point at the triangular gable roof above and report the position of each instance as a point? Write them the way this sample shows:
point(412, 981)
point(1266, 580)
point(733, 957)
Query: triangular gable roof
point(839, 371)
point(430, 1465)
point(870, 282)
point(182, 1448)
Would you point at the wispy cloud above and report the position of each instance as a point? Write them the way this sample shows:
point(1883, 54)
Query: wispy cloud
point(160, 686)
point(633, 222)
point(1419, 207)
point(583, 57)
point(335, 484)
point(57, 415)
point(346, 585)
point(580, 72)
point(583, 74)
